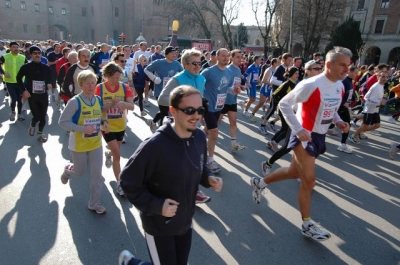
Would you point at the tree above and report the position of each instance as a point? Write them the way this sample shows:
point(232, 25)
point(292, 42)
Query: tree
point(312, 20)
point(265, 24)
point(241, 36)
point(347, 35)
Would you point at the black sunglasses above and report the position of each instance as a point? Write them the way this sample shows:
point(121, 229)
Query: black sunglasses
point(191, 110)
point(317, 68)
point(36, 53)
point(195, 63)
point(122, 61)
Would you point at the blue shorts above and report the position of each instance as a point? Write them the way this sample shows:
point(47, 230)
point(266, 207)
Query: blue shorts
point(315, 148)
point(265, 90)
point(252, 91)
point(211, 119)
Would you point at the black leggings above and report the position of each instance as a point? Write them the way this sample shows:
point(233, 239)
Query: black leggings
point(345, 116)
point(280, 135)
point(139, 92)
point(38, 104)
point(161, 114)
point(283, 133)
point(272, 107)
point(169, 250)
point(396, 114)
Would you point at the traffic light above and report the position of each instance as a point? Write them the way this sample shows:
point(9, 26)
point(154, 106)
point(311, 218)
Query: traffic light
point(120, 38)
point(123, 37)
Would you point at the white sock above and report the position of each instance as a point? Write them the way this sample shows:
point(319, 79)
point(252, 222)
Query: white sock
point(210, 159)
point(307, 223)
point(262, 184)
point(233, 141)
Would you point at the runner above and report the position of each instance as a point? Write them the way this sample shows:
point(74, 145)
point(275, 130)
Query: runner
point(166, 198)
point(38, 79)
point(117, 98)
point(252, 77)
point(318, 99)
point(82, 117)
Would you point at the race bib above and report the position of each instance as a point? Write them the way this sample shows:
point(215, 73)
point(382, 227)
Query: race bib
point(330, 107)
point(220, 101)
point(105, 61)
point(237, 80)
point(165, 81)
point(255, 77)
point(114, 113)
point(38, 87)
point(92, 122)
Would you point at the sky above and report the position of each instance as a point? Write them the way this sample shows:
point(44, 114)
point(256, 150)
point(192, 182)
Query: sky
point(246, 15)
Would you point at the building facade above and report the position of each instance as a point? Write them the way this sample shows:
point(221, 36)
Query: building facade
point(91, 21)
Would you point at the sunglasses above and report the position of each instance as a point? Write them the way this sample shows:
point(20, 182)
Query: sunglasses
point(317, 68)
point(36, 53)
point(122, 61)
point(195, 63)
point(191, 111)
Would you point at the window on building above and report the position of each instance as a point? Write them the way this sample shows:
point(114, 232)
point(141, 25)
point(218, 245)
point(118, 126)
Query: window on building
point(37, 8)
point(8, 3)
point(92, 34)
point(38, 29)
point(379, 26)
point(385, 4)
point(83, 11)
point(360, 5)
point(25, 28)
point(63, 11)
point(116, 11)
point(51, 10)
point(358, 23)
point(23, 6)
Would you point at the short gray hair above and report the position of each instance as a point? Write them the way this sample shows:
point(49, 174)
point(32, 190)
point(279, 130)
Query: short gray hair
point(188, 53)
point(337, 51)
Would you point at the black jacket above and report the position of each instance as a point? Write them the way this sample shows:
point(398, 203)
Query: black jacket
point(34, 72)
point(166, 166)
point(69, 79)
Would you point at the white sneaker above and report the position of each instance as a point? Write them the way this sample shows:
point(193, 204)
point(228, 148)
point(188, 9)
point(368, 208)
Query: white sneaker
point(246, 113)
point(119, 190)
point(242, 104)
point(214, 167)
point(314, 232)
point(391, 120)
point(344, 148)
point(238, 147)
point(143, 113)
point(393, 150)
point(363, 136)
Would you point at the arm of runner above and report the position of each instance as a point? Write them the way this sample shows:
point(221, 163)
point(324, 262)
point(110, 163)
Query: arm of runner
point(65, 120)
point(152, 77)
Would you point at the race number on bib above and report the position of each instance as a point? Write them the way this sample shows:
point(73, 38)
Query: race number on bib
point(95, 122)
point(237, 80)
point(220, 101)
point(38, 87)
point(114, 113)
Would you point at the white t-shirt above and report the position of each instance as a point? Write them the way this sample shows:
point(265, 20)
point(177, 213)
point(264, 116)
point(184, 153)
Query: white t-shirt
point(373, 98)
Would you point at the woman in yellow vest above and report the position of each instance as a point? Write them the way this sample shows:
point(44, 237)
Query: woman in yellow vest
point(82, 118)
point(119, 96)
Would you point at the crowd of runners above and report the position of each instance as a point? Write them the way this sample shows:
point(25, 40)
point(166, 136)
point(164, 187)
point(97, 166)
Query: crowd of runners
point(96, 87)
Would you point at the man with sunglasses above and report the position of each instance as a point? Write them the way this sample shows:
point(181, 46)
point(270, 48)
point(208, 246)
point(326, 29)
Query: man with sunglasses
point(219, 82)
point(166, 198)
point(38, 79)
point(164, 69)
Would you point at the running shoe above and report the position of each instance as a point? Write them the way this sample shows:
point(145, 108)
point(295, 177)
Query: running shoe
point(146, 102)
point(42, 137)
point(214, 167)
point(345, 149)
point(67, 172)
point(314, 232)
point(353, 124)
point(252, 117)
point(242, 104)
point(246, 113)
point(201, 197)
point(392, 120)
point(273, 145)
point(363, 136)
point(393, 150)
point(119, 190)
point(332, 132)
point(21, 117)
point(125, 257)
point(31, 131)
point(108, 162)
point(12, 116)
point(257, 192)
point(355, 139)
point(375, 132)
point(123, 140)
point(98, 208)
point(263, 130)
point(143, 113)
point(238, 147)
point(152, 125)
point(265, 168)
point(271, 126)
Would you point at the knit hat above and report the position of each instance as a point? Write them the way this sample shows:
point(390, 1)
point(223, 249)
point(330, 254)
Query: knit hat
point(169, 49)
point(292, 71)
point(34, 48)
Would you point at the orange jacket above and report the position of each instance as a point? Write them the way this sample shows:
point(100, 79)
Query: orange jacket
point(396, 89)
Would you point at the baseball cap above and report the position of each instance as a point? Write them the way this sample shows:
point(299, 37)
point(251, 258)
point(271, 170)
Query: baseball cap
point(169, 49)
point(309, 64)
point(213, 52)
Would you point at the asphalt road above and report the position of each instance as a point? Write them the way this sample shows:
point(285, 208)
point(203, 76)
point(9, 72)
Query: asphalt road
point(45, 222)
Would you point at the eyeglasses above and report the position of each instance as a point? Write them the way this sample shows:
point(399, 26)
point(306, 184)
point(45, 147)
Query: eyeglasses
point(195, 63)
point(122, 61)
point(316, 68)
point(191, 111)
point(36, 53)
